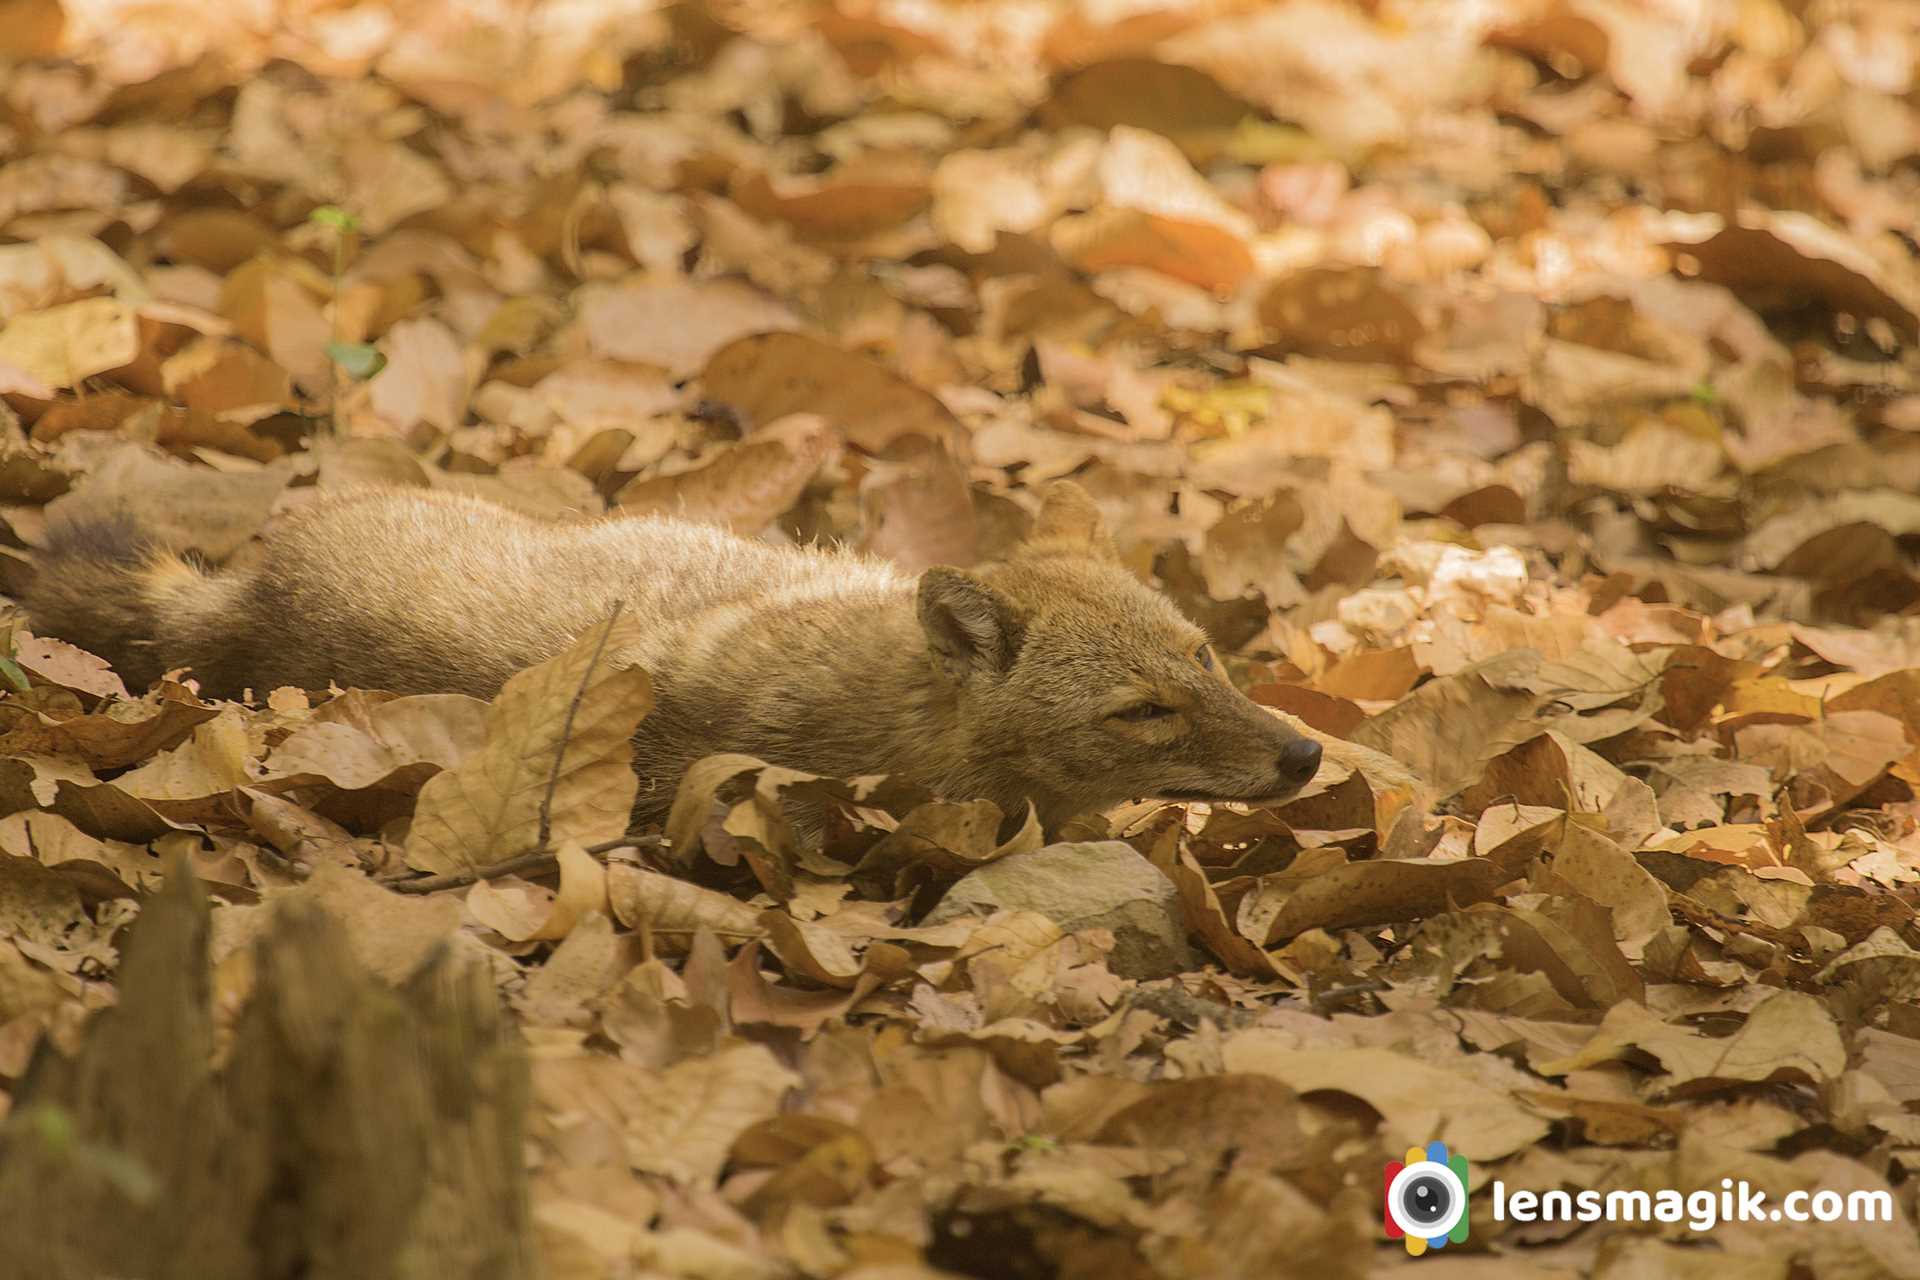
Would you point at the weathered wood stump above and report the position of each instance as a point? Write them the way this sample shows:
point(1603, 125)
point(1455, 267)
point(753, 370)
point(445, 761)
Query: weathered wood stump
point(354, 1131)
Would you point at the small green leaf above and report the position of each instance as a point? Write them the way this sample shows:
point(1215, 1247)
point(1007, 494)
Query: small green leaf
point(10, 672)
point(54, 1124)
point(332, 215)
point(1034, 1142)
point(1704, 394)
point(361, 360)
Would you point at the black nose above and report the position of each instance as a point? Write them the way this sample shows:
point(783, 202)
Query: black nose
point(1299, 761)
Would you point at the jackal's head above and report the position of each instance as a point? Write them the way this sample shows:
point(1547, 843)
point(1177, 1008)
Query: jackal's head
point(1078, 687)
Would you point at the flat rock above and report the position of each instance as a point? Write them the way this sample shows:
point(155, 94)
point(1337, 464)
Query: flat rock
point(1080, 885)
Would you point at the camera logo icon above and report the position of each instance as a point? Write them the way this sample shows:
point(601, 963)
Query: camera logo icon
point(1427, 1198)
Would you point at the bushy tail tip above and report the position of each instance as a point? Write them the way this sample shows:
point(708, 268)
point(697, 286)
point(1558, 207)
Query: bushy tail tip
point(98, 582)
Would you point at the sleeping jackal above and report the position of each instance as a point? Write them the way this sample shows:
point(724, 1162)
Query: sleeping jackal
point(1055, 677)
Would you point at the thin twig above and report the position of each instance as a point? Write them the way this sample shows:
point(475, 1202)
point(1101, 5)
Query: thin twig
point(566, 727)
point(333, 337)
point(543, 859)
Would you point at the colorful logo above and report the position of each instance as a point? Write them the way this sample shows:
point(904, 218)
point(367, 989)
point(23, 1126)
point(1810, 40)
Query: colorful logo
point(1427, 1198)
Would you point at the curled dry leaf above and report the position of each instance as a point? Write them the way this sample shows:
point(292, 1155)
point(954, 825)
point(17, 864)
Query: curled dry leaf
point(1369, 893)
point(1205, 917)
point(946, 840)
point(813, 951)
point(194, 780)
point(520, 912)
point(670, 908)
point(303, 837)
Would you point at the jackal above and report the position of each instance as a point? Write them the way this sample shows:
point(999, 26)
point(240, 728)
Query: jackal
point(1055, 676)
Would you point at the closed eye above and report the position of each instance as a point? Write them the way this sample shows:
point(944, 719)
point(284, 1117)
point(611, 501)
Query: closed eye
point(1143, 711)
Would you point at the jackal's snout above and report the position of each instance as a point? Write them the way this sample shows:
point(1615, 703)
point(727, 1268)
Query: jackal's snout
point(1299, 761)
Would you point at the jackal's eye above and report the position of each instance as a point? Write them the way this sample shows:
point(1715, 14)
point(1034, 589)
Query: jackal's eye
point(1204, 656)
point(1143, 711)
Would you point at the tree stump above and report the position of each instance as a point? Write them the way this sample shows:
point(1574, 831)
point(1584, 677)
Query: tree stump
point(355, 1130)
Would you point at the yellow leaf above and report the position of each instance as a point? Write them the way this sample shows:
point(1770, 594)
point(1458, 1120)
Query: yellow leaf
point(65, 345)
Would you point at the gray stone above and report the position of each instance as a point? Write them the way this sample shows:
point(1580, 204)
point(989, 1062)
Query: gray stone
point(1101, 884)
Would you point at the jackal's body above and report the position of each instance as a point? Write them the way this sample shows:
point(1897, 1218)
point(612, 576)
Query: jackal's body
point(1021, 681)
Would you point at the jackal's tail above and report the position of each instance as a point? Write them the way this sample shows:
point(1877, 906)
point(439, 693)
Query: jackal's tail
point(108, 585)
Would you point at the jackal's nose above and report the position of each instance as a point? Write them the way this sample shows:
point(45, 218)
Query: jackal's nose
point(1299, 761)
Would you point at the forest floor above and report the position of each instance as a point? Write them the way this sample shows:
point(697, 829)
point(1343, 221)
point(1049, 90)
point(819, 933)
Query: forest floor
point(1525, 395)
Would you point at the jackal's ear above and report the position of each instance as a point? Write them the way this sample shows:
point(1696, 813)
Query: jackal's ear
point(971, 628)
point(1068, 517)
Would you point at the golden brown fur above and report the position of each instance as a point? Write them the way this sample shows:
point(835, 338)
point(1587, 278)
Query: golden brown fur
point(1055, 676)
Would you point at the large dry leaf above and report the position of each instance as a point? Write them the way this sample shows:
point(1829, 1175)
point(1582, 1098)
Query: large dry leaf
point(59, 663)
point(676, 325)
point(426, 378)
point(557, 767)
point(1601, 870)
point(1341, 315)
point(685, 1124)
point(1419, 1100)
point(1789, 1036)
point(835, 206)
point(1187, 106)
point(275, 304)
point(744, 486)
point(770, 375)
point(1764, 250)
point(1447, 728)
point(918, 511)
point(65, 345)
point(98, 867)
point(364, 740)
